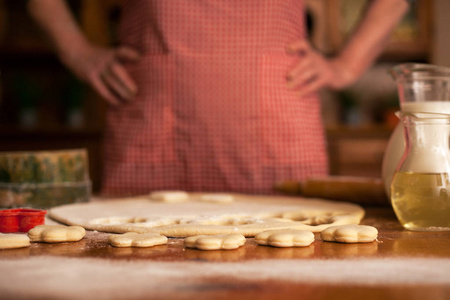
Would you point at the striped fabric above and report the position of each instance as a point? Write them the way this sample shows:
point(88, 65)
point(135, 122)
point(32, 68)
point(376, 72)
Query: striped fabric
point(213, 111)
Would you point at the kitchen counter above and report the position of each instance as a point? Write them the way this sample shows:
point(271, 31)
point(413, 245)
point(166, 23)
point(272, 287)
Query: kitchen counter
point(400, 265)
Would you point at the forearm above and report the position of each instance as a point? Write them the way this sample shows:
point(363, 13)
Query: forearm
point(372, 35)
point(101, 67)
point(56, 20)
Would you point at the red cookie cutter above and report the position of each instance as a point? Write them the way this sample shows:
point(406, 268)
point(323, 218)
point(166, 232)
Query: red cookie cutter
point(21, 219)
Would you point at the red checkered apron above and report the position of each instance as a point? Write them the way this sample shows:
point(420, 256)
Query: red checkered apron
point(213, 111)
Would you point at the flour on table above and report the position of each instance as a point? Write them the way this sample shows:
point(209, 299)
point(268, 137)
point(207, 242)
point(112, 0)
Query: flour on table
point(247, 215)
point(58, 277)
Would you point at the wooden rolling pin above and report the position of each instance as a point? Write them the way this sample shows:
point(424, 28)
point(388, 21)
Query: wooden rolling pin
point(361, 190)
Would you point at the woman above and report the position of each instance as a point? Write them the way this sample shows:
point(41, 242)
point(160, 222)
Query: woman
point(213, 95)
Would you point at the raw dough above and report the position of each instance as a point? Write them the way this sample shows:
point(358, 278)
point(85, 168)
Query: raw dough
point(12, 240)
point(217, 198)
point(247, 215)
point(350, 234)
point(56, 233)
point(133, 239)
point(215, 242)
point(170, 196)
point(285, 238)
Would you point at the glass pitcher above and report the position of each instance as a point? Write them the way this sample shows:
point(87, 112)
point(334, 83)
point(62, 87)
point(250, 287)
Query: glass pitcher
point(420, 188)
point(421, 88)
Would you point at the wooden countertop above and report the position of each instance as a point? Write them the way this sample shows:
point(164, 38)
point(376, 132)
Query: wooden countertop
point(360, 271)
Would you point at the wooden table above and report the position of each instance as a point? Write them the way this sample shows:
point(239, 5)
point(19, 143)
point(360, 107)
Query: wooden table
point(412, 250)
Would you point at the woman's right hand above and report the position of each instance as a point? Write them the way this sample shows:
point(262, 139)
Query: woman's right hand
point(103, 68)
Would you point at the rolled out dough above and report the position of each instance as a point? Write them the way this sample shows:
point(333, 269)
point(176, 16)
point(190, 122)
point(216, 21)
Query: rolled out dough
point(247, 215)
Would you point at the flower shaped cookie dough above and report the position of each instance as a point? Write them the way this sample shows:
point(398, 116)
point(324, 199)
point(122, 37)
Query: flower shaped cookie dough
point(133, 239)
point(285, 238)
point(350, 234)
point(11, 241)
point(56, 233)
point(215, 242)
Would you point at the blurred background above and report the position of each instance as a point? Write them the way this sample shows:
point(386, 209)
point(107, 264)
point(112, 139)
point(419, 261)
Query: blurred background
point(43, 107)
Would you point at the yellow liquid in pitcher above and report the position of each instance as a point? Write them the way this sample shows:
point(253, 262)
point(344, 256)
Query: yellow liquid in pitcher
point(421, 201)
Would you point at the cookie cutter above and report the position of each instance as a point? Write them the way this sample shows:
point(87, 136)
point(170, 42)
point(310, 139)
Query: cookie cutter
point(21, 219)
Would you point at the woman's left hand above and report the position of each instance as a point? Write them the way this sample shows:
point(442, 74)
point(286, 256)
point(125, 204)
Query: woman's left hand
point(314, 71)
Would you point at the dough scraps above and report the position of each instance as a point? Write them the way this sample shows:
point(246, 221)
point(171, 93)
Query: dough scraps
point(247, 215)
point(217, 198)
point(170, 196)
